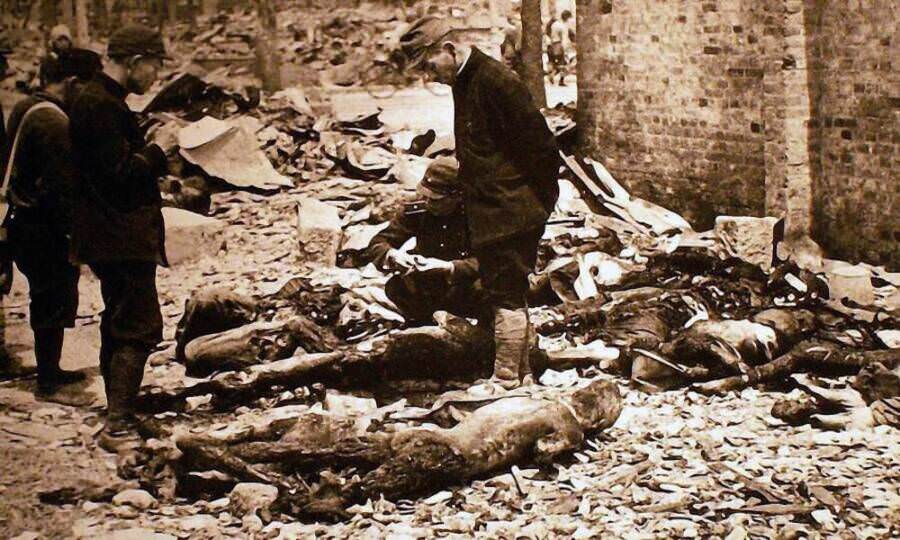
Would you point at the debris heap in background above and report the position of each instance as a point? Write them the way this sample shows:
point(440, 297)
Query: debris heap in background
point(295, 387)
point(624, 289)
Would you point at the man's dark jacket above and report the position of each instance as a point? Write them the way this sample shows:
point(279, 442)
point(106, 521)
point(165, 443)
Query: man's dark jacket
point(43, 174)
point(440, 237)
point(508, 158)
point(117, 214)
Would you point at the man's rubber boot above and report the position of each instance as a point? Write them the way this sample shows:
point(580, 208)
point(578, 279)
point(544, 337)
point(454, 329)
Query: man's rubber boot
point(531, 344)
point(48, 344)
point(119, 434)
point(126, 371)
point(511, 346)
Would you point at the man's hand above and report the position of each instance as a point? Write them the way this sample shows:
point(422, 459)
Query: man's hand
point(400, 260)
point(425, 264)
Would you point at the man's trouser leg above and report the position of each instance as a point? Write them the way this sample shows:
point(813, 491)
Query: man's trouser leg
point(418, 295)
point(131, 326)
point(42, 254)
point(504, 268)
point(408, 295)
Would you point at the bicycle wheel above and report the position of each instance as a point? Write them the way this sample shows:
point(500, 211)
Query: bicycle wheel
point(437, 89)
point(376, 79)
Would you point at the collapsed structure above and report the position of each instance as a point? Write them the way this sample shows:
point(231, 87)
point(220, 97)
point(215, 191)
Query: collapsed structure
point(625, 290)
point(623, 287)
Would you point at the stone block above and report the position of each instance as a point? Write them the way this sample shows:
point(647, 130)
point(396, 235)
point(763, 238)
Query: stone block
point(190, 235)
point(249, 497)
point(319, 232)
point(750, 239)
point(136, 498)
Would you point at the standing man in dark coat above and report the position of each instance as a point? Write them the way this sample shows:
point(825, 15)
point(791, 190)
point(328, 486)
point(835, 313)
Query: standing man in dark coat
point(39, 226)
point(508, 167)
point(511, 47)
point(117, 224)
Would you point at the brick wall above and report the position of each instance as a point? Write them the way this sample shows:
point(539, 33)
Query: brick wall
point(672, 95)
point(699, 105)
point(855, 97)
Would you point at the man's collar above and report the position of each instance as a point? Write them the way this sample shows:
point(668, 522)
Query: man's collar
point(468, 67)
point(111, 85)
point(49, 96)
point(467, 53)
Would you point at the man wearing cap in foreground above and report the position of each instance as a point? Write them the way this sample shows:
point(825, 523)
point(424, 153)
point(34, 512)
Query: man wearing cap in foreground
point(117, 224)
point(440, 273)
point(508, 169)
point(39, 222)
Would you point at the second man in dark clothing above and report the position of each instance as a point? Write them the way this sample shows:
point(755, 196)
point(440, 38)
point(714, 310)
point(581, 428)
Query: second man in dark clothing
point(117, 224)
point(39, 225)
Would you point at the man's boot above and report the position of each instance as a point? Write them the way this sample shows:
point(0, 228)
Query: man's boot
point(531, 344)
point(48, 343)
point(126, 371)
point(511, 347)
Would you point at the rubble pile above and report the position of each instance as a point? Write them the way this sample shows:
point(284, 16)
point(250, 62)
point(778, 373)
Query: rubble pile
point(628, 291)
point(294, 387)
point(24, 61)
point(331, 384)
point(317, 45)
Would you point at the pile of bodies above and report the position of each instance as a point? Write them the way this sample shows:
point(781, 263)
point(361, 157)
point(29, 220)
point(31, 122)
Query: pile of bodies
point(624, 291)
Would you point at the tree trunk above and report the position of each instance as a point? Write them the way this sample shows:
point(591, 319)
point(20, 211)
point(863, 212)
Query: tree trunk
point(82, 31)
point(532, 51)
point(268, 58)
point(48, 13)
point(68, 13)
point(172, 6)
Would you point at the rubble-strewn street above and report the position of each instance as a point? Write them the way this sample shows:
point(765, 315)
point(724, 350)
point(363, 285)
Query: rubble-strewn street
point(734, 383)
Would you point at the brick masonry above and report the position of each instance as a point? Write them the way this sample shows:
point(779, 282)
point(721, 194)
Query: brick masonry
point(855, 96)
point(722, 107)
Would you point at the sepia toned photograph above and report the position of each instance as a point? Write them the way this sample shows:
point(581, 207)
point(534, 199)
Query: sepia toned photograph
point(421, 269)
